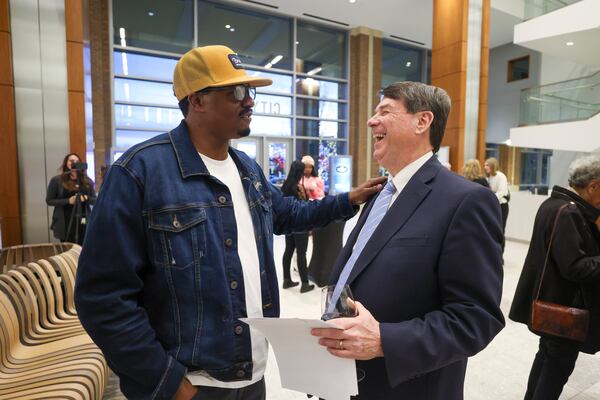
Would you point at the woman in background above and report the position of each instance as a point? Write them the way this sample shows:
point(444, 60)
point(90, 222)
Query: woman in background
point(71, 193)
point(314, 186)
point(499, 185)
point(473, 172)
point(292, 186)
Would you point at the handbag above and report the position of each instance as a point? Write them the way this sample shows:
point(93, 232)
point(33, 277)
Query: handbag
point(556, 319)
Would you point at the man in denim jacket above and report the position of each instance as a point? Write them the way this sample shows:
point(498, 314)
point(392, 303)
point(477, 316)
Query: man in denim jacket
point(180, 245)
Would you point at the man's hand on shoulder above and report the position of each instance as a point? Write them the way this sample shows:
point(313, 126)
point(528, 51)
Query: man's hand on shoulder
point(186, 391)
point(367, 189)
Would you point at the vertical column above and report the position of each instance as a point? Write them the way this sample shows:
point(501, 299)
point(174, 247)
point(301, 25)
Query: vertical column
point(460, 65)
point(100, 36)
point(365, 83)
point(10, 210)
point(74, 34)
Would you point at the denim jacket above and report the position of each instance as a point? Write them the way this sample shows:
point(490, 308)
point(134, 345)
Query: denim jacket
point(160, 286)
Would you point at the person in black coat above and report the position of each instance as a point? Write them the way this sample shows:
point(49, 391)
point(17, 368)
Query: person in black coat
point(297, 241)
point(572, 276)
point(71, 193)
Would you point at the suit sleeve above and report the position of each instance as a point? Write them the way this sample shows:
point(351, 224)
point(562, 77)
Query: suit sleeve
point(470, 287)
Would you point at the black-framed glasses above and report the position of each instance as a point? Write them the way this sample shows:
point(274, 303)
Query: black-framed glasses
point(240, 92)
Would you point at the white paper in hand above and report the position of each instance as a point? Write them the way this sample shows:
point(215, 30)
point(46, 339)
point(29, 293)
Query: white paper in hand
point(305, 365)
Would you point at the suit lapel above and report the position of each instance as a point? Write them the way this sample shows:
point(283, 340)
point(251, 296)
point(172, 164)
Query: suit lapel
point(404, 206)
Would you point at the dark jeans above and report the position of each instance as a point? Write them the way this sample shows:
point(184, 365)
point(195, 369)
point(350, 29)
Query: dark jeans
point(256, 391)
point(553, 364)
point(298, 242)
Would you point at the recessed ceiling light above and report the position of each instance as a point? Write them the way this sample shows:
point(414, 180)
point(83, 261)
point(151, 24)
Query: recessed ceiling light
point(352, 1)
point(227, 26)
point(570, 43)
point(297, 42)
point(408, 63)
point(232, 29)
point(150, 13)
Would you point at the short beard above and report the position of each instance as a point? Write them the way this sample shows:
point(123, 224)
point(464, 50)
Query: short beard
point(244, 133)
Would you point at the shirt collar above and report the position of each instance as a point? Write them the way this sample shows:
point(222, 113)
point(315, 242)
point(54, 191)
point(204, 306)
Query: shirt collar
point(403, 176)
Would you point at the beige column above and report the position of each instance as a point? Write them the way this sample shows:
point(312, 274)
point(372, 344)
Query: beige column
point(365, 84)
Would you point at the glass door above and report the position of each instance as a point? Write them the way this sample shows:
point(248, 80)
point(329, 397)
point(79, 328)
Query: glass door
point(252, 146)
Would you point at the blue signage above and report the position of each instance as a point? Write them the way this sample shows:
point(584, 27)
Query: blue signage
point(340, 174)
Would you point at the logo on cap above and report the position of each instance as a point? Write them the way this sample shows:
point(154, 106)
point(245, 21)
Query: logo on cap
point(235, 61)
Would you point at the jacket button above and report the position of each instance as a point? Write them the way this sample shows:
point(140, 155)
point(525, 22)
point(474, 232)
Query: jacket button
point(222, 199)
point(240, 373)
point(233, 285)
point(238, 330)
point(228, 242)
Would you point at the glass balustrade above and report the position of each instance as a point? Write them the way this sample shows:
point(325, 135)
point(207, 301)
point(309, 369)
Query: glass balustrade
point(535, 8)
point(571, 100)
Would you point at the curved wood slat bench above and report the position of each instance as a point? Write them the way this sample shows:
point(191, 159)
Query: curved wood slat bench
point(44, 351)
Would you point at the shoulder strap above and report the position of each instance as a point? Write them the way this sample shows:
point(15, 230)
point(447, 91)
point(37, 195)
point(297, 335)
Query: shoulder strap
point(560, 210)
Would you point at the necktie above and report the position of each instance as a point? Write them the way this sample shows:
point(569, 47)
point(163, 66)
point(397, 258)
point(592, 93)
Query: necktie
point(373, 219)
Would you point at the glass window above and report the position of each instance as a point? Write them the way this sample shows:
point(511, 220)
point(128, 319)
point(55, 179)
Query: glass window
point(318, 88)
point(518, 69)
point(143, 66)
point(259, 39)
point(263, 125)
point(270, 104)
point(321, 109)
point(126, 138)
point(281, 83)
point(308, 147)
point(316, 128)
point(156, 118)
point(320, 51)
point(400, 63)
point(131, 90)
point(166, 25)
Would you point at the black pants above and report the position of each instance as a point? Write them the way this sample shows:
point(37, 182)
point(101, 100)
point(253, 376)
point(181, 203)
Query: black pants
point(256, 391)
point(553, 364)
point(504, 210)
point(298, 242)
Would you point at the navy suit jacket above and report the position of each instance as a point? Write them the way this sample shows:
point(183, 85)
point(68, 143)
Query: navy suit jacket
point(431, 274)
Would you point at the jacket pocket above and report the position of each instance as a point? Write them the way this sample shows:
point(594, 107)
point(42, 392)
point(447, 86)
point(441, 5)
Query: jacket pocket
point(178, 235)
point(409, 242)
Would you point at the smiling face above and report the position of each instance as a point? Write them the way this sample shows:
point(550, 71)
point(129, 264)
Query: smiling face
point(400, 137)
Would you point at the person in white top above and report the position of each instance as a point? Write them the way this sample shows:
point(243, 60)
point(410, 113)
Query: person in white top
point(498, 185)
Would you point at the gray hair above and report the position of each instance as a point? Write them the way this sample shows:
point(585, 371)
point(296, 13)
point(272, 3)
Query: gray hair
point(583, 170)
point(418, 96)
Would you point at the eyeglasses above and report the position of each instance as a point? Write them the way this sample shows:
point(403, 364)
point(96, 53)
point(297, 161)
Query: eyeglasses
point(240, 92)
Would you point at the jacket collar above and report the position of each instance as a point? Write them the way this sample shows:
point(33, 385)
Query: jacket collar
point(404, 206)
point(189, 161)
point(590, 212)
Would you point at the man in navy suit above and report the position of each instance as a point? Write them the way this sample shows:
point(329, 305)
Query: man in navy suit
point(428, 279)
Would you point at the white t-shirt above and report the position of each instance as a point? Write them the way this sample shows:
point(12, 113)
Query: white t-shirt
point(226, 171)
point(499, 185)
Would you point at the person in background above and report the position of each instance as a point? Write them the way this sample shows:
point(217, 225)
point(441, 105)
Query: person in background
point(473, 172)
point(180, 245)
point(499, 185)
point(295, 241)
point(65, 190)
point(572, 276)
point(314, 186)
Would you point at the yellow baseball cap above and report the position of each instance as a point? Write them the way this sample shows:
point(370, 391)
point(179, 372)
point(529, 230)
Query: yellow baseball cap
point(211, 66)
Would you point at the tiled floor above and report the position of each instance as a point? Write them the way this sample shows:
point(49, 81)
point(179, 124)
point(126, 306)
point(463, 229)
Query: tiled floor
point(497, 373)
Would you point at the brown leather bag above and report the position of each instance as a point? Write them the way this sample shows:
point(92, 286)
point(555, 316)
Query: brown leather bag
point(555, 319)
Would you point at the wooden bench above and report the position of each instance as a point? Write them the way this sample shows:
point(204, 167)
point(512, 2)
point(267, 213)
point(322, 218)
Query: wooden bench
point(44, 351)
